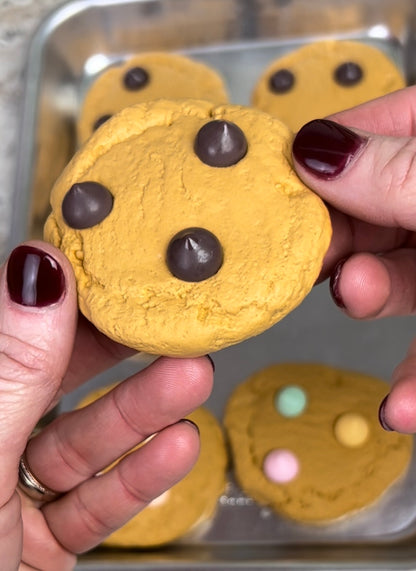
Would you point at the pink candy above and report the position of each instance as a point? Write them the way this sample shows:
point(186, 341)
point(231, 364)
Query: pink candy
point(281, 466)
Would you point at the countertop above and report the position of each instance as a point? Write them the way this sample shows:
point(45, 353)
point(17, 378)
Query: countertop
point(18, 21)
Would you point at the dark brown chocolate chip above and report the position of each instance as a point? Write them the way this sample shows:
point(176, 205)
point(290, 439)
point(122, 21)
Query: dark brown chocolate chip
point(100, 121)
point(281, 81)
point(220, 144)
point(136, 78)
point(348, 74)
point(194, 255)
point(86, 204)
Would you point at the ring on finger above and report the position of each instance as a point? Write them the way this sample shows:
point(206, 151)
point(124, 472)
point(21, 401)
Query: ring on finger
point(31, 486)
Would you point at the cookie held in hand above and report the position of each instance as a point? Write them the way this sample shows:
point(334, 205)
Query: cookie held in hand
point(186, 226)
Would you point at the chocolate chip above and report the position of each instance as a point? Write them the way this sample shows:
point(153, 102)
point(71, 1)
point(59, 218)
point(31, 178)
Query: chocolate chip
point(281, 81)
point(194, 255)
point(86, 204)
point(100, 121)
point(348, 73)
point(220, 144)
point(136, 78)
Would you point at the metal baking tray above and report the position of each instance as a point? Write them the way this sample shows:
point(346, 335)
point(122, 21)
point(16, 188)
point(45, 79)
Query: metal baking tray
point(239, 38)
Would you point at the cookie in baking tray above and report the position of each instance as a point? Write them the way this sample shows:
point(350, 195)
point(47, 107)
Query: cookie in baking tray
point(306, 441)
point(186, 226)
point(322, 78)
point(143, 77)
point(188, 508)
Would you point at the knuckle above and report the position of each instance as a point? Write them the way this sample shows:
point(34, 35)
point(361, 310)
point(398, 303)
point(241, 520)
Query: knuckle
point(67, 454)
point(132, 493)
point(127, 411)
point(20, 362)
point(97, 527)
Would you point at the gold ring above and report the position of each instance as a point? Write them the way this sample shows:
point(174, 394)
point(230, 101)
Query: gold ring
point(31, 486)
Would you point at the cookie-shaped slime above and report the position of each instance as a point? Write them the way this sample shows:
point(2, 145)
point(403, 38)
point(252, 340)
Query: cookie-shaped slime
point(322, 78)
point(186, 226)
point(190, 505)
point(144, 77)
point(306, 441)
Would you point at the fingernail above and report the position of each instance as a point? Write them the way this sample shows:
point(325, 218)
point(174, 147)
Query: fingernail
point(325, 148)
point(210, 359)
point(382, 415)
point(192, 423)
point(334, 284)
point(34, 278)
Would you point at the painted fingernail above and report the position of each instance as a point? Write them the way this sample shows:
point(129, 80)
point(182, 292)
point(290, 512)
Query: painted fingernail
point(192, 423)
point(210, 359)
point(334, 284)
point(34, 277)
point(325, 148)
point(382, 415)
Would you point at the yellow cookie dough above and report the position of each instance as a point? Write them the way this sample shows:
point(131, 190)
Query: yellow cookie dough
point(163, 74)
point(330, 459)
point(315, 93)
point(190, 505)
point(138, 183)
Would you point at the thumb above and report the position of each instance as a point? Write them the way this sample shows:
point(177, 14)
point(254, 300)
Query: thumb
point(368, 176)
point(37, 327)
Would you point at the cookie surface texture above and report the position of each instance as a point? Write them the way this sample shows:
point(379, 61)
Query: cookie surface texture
point(174, 256)
point(144, 77)
point(323, 78)
point(189, 506)
point(307, 442)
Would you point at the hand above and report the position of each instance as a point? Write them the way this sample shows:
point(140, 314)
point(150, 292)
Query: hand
point(46, 353)
point(367, 176)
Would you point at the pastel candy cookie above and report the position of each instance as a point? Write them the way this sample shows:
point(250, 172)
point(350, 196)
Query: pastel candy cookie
point(144, 77)
point(186, 226)
point(189, 506)
point(322, 78)
point(322, 457)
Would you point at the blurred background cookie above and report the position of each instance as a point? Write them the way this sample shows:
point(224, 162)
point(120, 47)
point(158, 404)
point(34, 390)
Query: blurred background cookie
point(145, 77)
point(186, 226)
point(189, 506)
point(306, 441)
point(322, 78)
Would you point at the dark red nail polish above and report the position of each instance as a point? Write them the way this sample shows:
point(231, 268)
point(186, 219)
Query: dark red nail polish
point(34, 278)
point(210, 359)
point(382, 415)
point(325, 148)
point(192, 423)
point(334, 284)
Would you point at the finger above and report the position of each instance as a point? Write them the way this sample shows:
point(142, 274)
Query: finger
point(398, 411)
point(160, 395)
point(37, 326)
point(41, 550)
point(366, 176)
point(10, 530)
point(93, 353)
point(393, 114)
point(352, 235)
point(85, 516)
point(368, 286)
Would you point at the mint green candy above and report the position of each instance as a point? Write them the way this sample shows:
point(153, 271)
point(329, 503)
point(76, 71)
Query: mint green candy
point(290, 401)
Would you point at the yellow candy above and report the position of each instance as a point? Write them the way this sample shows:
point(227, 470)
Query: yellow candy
point(351, 430)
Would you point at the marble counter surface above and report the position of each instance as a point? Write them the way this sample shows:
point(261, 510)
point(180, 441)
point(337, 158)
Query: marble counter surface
point(18, 20)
